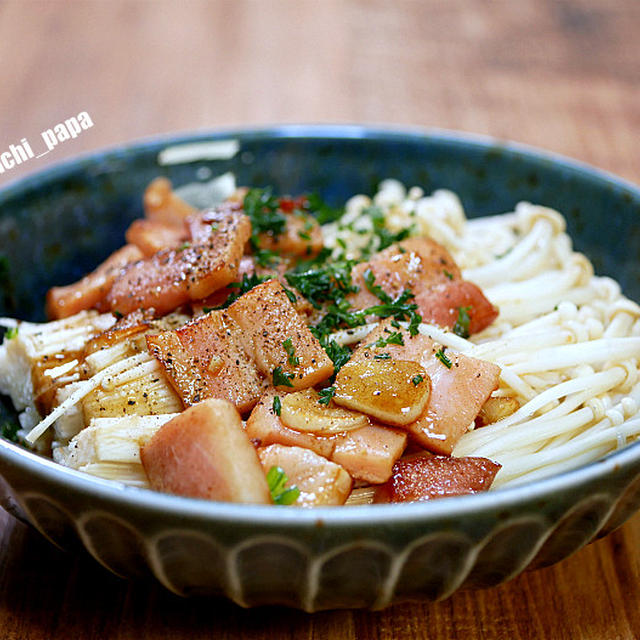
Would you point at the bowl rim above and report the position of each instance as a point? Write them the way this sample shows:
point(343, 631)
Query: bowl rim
point(503, 498)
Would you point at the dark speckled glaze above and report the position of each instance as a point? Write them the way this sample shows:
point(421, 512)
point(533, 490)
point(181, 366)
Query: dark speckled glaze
point(56, 225)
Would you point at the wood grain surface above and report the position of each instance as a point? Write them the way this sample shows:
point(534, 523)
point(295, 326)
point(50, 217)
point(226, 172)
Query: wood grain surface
point(560, 75)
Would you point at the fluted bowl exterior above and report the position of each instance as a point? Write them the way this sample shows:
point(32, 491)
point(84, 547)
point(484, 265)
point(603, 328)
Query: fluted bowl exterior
point(361, 556)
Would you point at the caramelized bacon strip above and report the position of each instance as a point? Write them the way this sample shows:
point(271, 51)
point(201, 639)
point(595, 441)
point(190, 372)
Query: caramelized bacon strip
point(206, 359)
point(429, 272)
point(278, 339)
point(424, 477)
point(173, 277)
point(89, 292)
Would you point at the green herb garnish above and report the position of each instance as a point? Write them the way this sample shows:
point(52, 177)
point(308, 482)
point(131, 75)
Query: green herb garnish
point(277, 405)
point(246, 284)
point(292, 296)
point(326, 395)
point(417, 379)
point(377, 290)
point(282, 379)
point(11, 333)
point(9, 430)
point(448, 274)
point(339, 354)
point(461, 326)
point(293, 360)
point(263, 211)
point(325, 283)
point(385, 237)
point(394, 337)
point(321, 211)
point(445, 361)
point(280, 494)
point(382, 356)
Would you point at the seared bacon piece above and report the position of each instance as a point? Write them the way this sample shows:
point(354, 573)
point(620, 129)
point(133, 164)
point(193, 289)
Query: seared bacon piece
point(204, 225)
point(415, 263)
point(88, 292)
point(206, 359)
point(151, 236)
point(321, 483)
point(458, 391)
point(125, 327)
point(424, 477)
point(277, 338)
point(205, 453)
point(173, 277)
point(429, 272)
point(162, 205)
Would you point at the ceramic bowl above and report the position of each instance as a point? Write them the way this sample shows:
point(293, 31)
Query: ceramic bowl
point(59, 223)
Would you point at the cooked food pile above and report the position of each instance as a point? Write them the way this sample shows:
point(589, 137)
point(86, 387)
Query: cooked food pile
point(274, 350)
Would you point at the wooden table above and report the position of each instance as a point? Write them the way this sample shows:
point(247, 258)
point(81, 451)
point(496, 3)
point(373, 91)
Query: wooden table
point(560, 75)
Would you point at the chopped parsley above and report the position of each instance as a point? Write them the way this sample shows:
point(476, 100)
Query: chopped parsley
point(326, 395)
point(400, 309)
point(282, 379)
point(277, 405)
point(443, 358)
point(303, 235)
point(377, 290)
point(293, 360)
point(325, 283)
point(461, 326)
point(382, 356)
point(263, 209)
point(9, 430)
point(246, 284)
point(280, 494)
point(448, 274)
point(339, 354)
point(394, 337)
point(292, 296)
point(264, 212)
point(321, 211)
point(385, 238)
point(184, 245)
point(11, 333)
point(266, 257)
point(417, 379)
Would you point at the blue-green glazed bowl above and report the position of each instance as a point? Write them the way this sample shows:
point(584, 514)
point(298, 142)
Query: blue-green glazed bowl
point(59, 223)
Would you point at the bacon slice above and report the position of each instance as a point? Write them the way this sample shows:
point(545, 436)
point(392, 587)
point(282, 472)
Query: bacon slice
point(162, 205)
point(206, 359)
point(151, 236)
point(88, 292)
point(204, 225)
point(269, 322)
point(367, 453)
point(429, 272)
point(173, 277)
point(321, 483)
point(205, 453)
point(424, 477)
point(415, 264)
point(457, 392)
